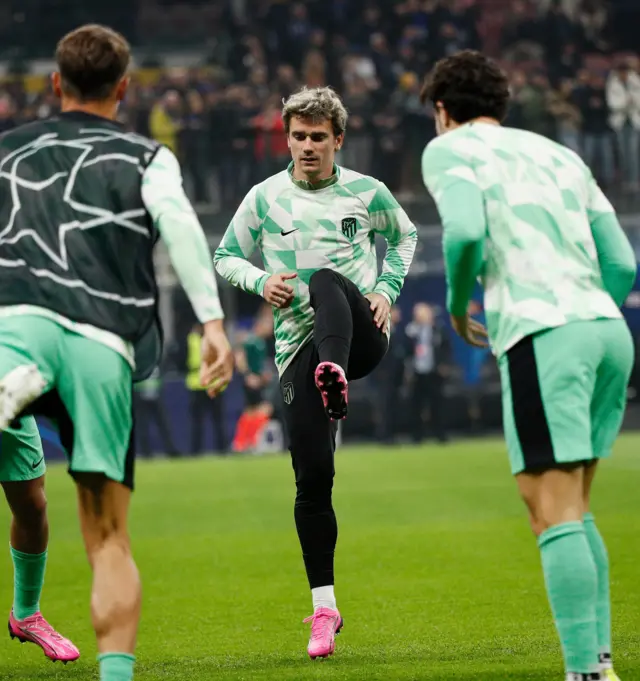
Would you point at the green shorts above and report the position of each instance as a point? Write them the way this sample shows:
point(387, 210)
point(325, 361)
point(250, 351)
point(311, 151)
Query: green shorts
point(21, 454)
point(564, 393)
point(88, 392)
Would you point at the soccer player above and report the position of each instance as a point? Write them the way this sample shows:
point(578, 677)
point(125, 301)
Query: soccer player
point(82, 203)
point(526, 216)
point(22, 471)
point(315, 225)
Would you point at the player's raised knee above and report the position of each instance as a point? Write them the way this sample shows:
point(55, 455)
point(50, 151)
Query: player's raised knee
point(321, 278)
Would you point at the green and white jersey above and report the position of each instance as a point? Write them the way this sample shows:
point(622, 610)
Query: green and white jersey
point(518, 211)
point(302, 228)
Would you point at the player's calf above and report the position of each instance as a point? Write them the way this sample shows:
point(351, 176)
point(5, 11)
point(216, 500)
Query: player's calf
point(116, 594)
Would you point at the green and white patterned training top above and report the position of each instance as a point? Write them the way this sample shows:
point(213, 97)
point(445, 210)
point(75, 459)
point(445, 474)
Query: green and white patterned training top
point(301, 229)
point(518, 211)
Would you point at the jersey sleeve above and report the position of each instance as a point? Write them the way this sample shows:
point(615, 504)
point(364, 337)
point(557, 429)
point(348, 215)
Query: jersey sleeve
point(238, 244)
point(179, 227)
point(452, 183)
point(615, 255)
point(390, 220)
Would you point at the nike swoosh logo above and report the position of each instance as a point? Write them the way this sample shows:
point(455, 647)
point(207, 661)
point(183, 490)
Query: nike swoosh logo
point(291, 231)
point(37, 463)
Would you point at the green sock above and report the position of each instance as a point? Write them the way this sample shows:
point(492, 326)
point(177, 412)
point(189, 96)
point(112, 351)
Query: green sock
point(603, 606)
point(572, 586)
point(116, 666)
point(28, 580)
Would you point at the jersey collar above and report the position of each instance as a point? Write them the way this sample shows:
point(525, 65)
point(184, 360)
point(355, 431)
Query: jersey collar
point(309, 186)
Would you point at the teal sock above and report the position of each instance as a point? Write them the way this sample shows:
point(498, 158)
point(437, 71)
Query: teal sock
point(28, 580)
point(603, 606)
point(572, 586)
point(116, 666)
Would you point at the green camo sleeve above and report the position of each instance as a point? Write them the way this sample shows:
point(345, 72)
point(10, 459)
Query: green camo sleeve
point(451, 181)
point(615, 254)
point(238, 244)
point(389, 219)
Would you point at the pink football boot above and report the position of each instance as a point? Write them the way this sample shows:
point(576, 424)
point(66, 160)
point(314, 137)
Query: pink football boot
point(36, 629)
point(325, 625)
point(332, 384)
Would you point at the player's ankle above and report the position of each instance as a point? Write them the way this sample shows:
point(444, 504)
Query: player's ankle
point(324, 597)
point(116, 666)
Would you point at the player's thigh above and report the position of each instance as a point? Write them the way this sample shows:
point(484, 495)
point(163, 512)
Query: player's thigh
point(610, 391)
point(311, 433)
point(95, 388)
point(547, 384)
point(369, 344)
point(21, 453)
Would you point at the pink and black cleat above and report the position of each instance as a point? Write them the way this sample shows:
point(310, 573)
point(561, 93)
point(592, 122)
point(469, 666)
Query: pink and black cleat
point(332, 384)
point(36, 629)
point(325, 626)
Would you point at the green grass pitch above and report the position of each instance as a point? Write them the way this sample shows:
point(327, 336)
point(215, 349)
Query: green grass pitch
point(438, 575)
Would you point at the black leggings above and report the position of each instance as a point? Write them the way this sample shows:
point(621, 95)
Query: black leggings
point(344, 333)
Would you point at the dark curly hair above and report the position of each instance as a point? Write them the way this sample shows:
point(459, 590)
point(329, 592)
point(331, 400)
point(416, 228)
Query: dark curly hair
point(469, 85)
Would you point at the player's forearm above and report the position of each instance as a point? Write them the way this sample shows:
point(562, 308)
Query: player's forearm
point(239, 271)
point(463, 257)
point(396, 265)
point(615, 255)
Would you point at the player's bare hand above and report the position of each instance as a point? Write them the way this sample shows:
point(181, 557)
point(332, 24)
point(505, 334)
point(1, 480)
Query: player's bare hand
point(216, 363)
point(470, 330)
point(381, 309)
point(276, 290)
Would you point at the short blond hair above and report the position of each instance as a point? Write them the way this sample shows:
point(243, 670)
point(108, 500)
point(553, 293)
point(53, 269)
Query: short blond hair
point(318, 104)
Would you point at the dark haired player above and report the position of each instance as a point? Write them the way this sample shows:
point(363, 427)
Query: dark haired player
point(526, 216)
point(82, 203)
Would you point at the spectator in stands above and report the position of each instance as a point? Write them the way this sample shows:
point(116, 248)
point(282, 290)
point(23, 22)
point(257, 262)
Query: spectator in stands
point(195, 155)
point(557, 30)
point(623, 99)
point(533, 98)
point(165, 120)
point(271, 149)
point(594, 20)
point(597, 142)
point(387, 150)
point(566, 114)
point(358, 148)
point(8, 117)
point(430, 355)
point(390, 377)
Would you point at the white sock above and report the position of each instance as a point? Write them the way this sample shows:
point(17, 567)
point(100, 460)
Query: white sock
point(323, 597)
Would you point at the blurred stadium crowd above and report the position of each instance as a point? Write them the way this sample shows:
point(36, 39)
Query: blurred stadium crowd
point(573, 79)
point(208, 82)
